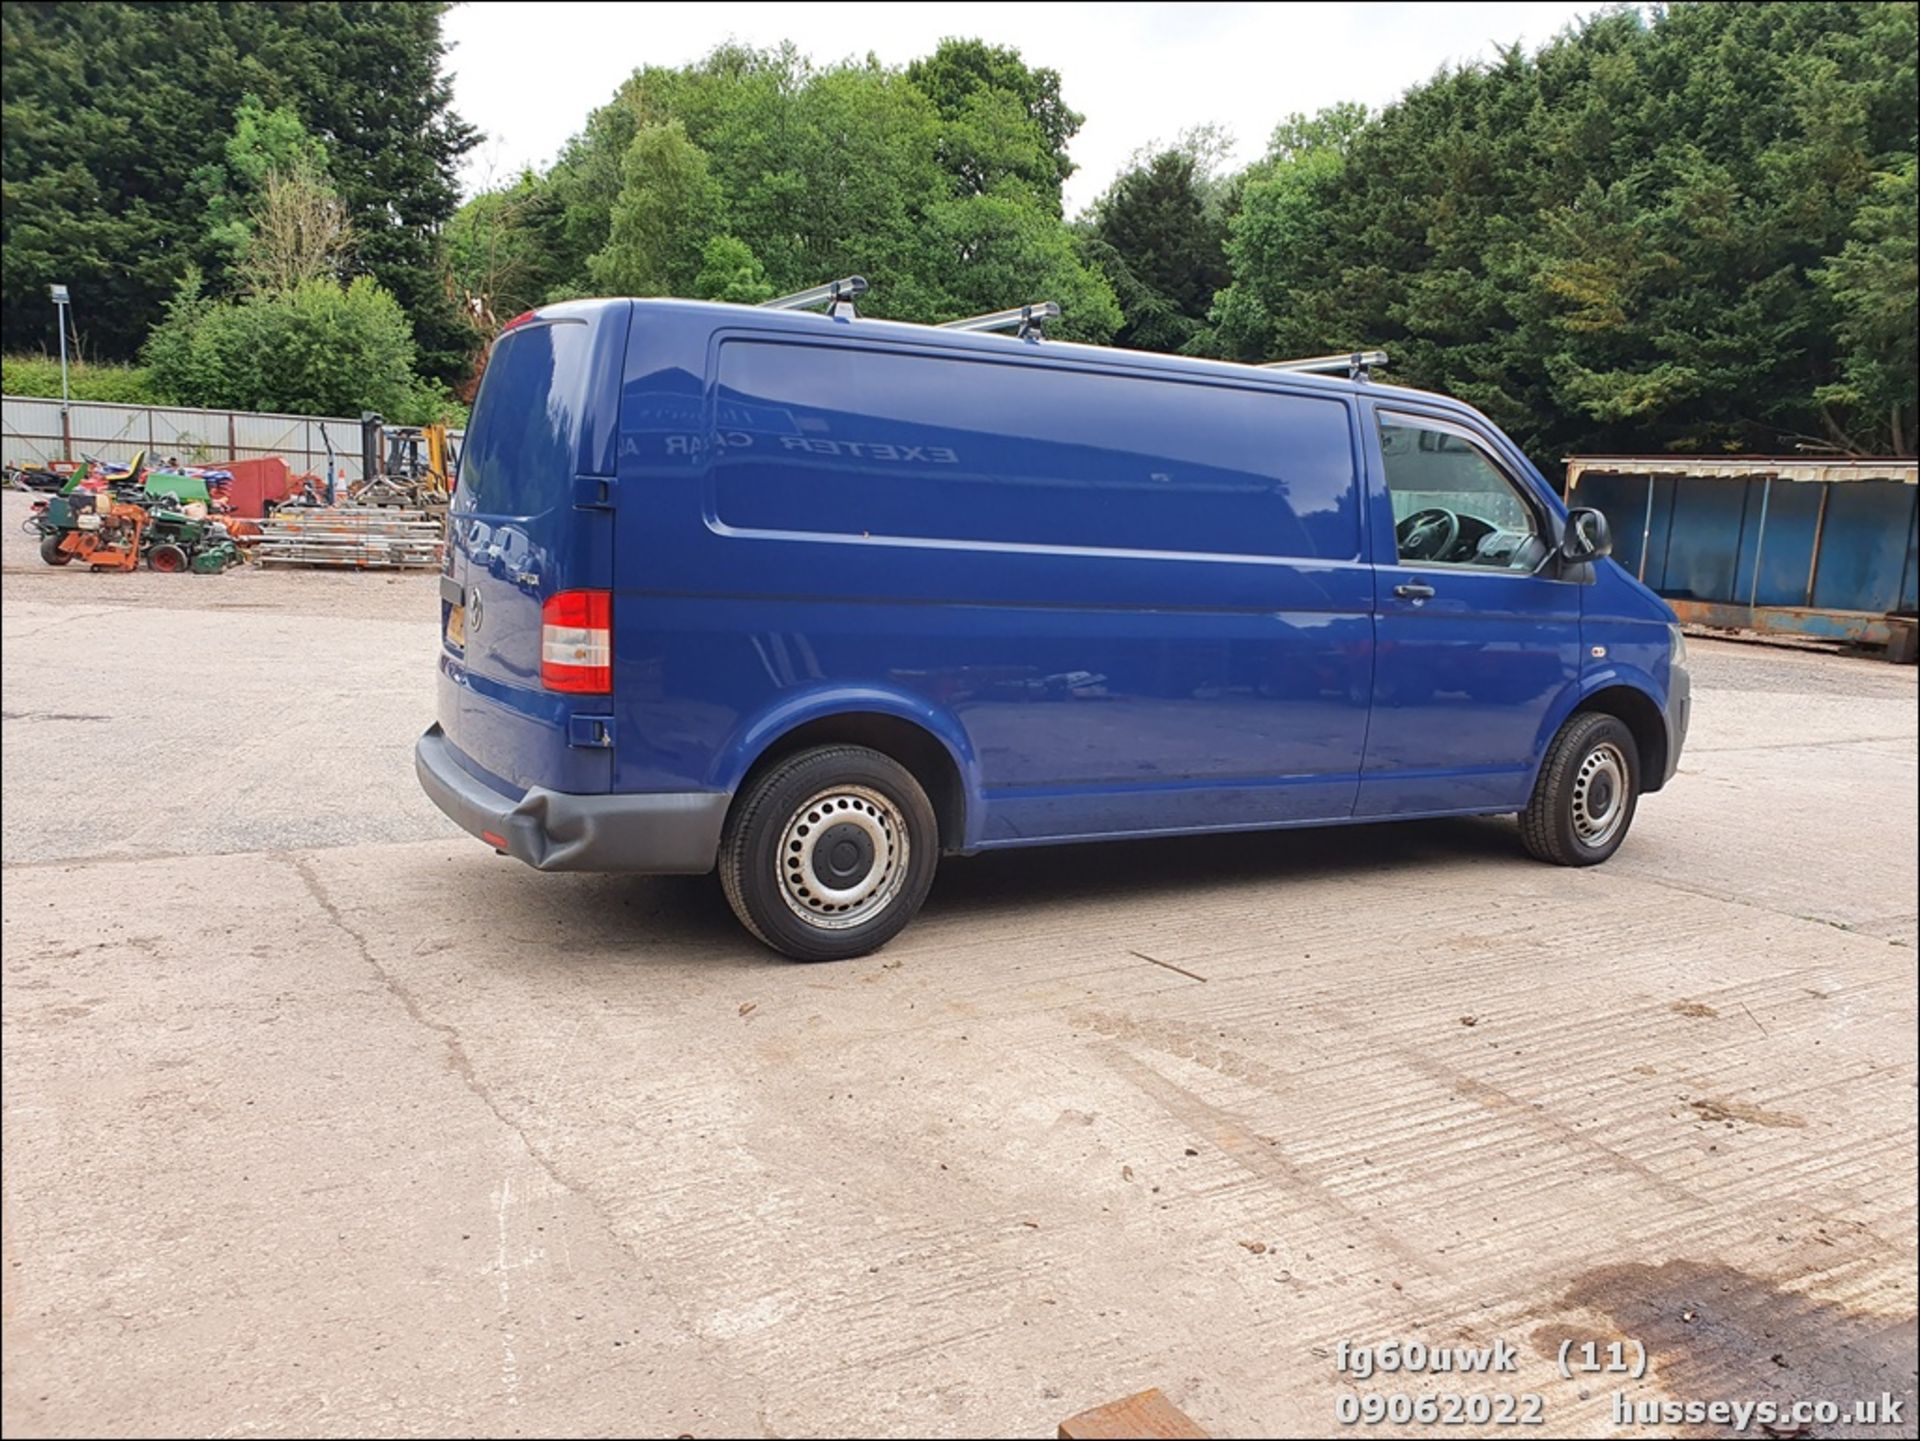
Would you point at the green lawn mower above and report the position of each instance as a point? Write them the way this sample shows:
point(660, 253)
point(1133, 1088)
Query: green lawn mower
point(180, 542)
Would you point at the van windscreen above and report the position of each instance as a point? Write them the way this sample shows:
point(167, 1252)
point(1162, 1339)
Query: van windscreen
point(522, 441)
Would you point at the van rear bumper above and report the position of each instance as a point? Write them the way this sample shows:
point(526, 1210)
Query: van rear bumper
point(672, 833)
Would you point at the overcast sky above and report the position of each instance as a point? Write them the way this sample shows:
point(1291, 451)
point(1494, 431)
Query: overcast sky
point(527, 74)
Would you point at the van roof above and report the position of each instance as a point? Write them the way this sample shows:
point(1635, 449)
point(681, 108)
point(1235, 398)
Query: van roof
point(806, 322)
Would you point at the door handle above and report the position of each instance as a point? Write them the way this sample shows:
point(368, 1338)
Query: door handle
point(1414, 590)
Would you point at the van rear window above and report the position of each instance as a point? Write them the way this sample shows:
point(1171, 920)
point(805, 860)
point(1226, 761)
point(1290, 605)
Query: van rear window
point(815, 438)
point(522, 440)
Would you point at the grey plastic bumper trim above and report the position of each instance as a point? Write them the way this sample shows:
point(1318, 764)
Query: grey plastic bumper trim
point(670, 833)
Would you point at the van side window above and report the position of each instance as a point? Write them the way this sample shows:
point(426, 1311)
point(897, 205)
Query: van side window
point(865, 441)
point(1452, 503)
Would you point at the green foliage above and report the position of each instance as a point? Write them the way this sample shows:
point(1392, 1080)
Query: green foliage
point(1278, 235)
point(667, 208)
point(500, 261)
point(1874, 282)
point(119, 116)
point(86, 380)
point(263, 142)
point(318, 349)
point(427, 403)
point(1332, 128)
point(1688, 227)
point(729, 270)
point(992, 252)
point(1163, 247)
point(418, 403)
point(1003, 119)
point(755, 172)
point(1658, 233)
point(297, 231)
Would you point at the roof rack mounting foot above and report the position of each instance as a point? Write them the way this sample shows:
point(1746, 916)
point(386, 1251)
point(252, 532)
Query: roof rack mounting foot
point(1358, 364)
point(838, 296)
point(1026, 321)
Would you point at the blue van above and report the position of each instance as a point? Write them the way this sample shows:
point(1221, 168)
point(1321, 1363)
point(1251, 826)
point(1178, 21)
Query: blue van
point(816, 600)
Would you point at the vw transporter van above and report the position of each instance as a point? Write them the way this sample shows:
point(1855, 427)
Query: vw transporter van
point(814, 600)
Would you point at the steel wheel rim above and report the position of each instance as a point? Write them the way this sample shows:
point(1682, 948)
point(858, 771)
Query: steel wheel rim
point(842, 816)
point(1600, 793)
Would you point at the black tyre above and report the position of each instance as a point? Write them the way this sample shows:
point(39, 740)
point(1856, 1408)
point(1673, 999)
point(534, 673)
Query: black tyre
point(1588, 790)
point(50, 551)
point(829, 853)
point(167, 558)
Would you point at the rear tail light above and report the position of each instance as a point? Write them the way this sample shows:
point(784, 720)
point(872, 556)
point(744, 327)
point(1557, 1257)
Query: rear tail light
point(576, 642)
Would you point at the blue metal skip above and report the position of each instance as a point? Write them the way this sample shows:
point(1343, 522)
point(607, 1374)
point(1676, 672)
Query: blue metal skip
point(1826, 548)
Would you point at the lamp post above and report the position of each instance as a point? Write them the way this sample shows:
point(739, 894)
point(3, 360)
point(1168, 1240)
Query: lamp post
point(60, 309)
point(59, 294)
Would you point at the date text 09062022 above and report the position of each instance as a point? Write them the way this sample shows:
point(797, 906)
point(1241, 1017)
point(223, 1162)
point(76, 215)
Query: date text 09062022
point(1449, 1409)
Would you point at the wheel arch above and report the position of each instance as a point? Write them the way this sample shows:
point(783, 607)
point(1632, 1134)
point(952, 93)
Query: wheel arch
point(929, 743)
point(1641, 714)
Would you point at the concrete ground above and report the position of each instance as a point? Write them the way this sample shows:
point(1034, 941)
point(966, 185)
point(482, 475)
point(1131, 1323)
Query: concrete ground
point(321, 1118)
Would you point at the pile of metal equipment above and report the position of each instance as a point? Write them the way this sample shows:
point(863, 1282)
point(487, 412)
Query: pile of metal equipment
point(113, 519)
point(357, 537)
point(406, 466)
point(392, 519)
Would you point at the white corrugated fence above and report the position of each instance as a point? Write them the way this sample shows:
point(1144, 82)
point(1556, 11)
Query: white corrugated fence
point(30, 430)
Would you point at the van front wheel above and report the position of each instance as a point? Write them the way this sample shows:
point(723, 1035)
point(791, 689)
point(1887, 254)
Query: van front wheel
point(1588, 789)
point(830, 853)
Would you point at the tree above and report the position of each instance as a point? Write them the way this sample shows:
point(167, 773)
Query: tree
point(101, 127)
point(976, 89)
point(112, 109)
point(729, 270)
point(1875, 283)
point(1277, 235)
point(263, 143)
point(320, 348)
point(503, 257)
point(755, 172)
point(371, 78)
point(1331, 128)
point(992, 252)
point(1637, 239)
point(299, 232)
point(665, 213)
point(1163, 248)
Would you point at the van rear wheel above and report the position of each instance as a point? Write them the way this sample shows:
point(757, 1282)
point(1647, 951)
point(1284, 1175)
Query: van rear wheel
point(1588, 790)
point(830, 853)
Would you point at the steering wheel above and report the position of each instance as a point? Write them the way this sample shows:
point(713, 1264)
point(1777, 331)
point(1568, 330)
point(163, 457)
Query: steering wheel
point(1427, 534)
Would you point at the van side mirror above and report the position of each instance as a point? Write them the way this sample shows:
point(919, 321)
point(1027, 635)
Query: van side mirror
point(1587, 537)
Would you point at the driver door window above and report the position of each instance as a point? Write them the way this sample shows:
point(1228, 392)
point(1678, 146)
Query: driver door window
point(1452, 505)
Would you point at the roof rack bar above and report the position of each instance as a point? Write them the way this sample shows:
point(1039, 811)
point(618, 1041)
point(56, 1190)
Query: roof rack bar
point(1355, 363)
point(833, 295)
point(1026, 320)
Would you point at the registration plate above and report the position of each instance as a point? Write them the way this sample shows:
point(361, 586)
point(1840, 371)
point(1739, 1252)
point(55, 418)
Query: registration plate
point(457, 626)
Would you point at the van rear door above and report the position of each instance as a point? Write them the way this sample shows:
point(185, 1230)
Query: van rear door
point(529, 543)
